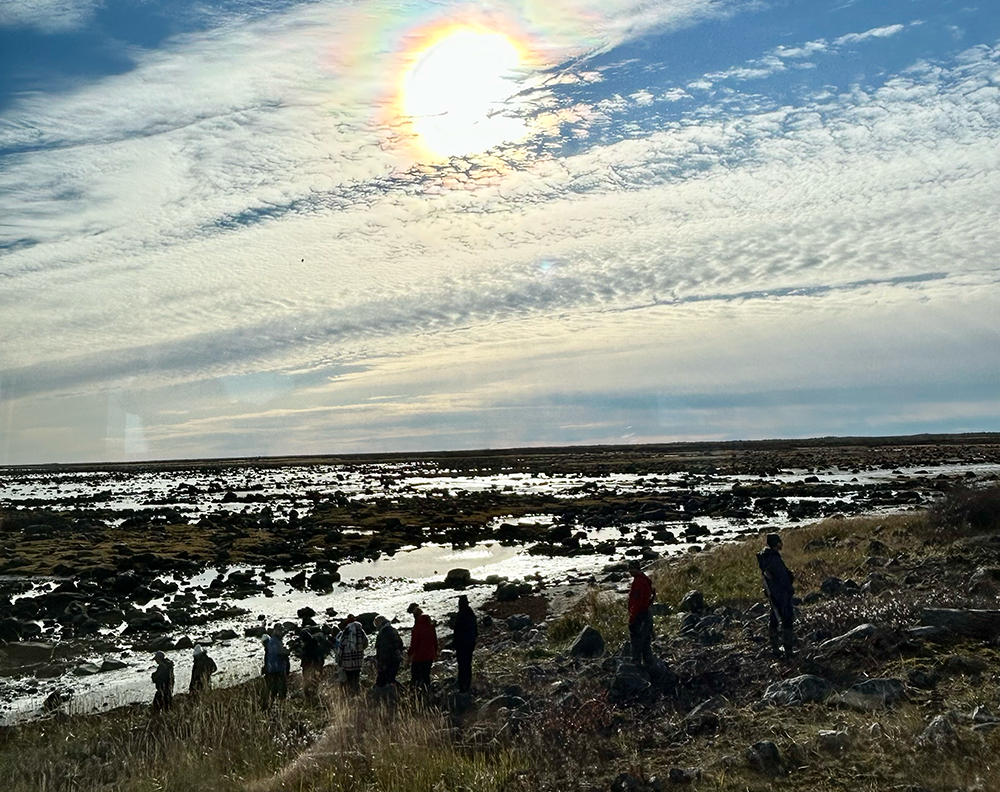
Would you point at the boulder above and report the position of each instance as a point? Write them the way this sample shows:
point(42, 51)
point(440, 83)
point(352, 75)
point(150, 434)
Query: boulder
point(509, 591)
point(519, 621)
point(830, 741)
point(872, 694)
point(693, 602)
point(851, 640)
point(940, 732)
point(764, 757)
point(110, 664)
point(458, 578)
point(589, 643)
point(27, 652)
point(630, 682)
point(805, 689)
point(982, 625)
point(323, 581)
point(87, 669)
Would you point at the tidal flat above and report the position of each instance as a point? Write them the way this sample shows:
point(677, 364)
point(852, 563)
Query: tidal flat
point(102, 565)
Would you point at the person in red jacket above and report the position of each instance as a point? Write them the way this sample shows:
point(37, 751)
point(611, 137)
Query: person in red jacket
point(640, 620)
point(423, 649)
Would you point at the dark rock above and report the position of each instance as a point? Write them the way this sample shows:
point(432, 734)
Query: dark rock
point(458, 578)
point(924, 680)
point(589, 643)
point(765, 758)
point(508, 591)
point(110, 664)
point(693, 602)
point(684, 775)
point(630, 682)
point(962, 665)
point(803, 689)
point(860, 636)
point(323, 581)
point(832, 586)
point(184, 642)
point(519, 621)
point(224, 635)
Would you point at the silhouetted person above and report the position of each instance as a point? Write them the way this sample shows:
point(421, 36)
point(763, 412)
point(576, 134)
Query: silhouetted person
point(388, 653)
point(778, 587)
point(351, 651)
point(276, 667)
point(640, 620)
point(315, 648)
point(423, 649)
point(202, 670)
point(163, 680)
point(464, 641)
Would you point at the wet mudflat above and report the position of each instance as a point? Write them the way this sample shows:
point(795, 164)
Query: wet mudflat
point(101, 566)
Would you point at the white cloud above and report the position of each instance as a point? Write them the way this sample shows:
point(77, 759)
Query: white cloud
point(48, 16)
point(879, 32)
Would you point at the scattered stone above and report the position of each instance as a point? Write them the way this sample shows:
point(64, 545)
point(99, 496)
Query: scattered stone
point(940, 732)
point(87, 669)
point(630, 682)
point(589, 643)
point(765, 758)
point(983, 625)
point(962, 665)
point(184, 642)
point(110, 664)
point(852, 639)
point(693, 602)
point(803, 689)
point(872, 694)
point(831, 741)
point(458, 578)
point(684, 775)
point(519, 621)
point(507, 592)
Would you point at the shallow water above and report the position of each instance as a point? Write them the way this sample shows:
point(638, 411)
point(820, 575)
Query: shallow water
point(386, 585)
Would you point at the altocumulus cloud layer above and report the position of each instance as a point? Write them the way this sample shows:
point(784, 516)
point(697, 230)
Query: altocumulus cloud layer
point(219, 235)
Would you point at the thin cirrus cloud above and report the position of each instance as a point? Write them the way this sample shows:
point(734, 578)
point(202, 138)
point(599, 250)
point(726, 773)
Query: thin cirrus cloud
point(238, 206)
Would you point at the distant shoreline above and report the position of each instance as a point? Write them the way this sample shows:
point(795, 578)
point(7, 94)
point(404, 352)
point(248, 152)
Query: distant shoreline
point(679, 449)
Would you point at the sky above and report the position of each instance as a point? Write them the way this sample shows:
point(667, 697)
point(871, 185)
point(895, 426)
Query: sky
point(269, 227)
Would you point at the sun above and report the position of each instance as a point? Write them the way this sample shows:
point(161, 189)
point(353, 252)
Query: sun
point(455, 89)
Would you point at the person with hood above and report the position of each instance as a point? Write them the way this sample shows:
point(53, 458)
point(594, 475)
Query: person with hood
point(388, 653)
point(351, 651)
point(202, 670)
point(423, 649)
point(276, 667)
point(640, 620)
point(314, 647)
point(778, 580)
point(464, 641)
point(163, 680)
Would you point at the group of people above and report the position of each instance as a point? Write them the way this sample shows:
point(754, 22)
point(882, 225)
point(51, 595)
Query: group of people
point(778, 583)
point(349, 642)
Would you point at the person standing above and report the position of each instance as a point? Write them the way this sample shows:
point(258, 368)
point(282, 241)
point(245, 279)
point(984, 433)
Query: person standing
point(351, 651)
point(202, 670)
point(778, 585)
point(640, 620)
point(388, 653)
point(276, 667)
point(163, 680)
point(464, 641)
point(423, 649)
point(313, 652)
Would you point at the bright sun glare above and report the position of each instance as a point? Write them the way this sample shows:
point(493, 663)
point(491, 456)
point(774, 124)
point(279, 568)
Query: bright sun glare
point(453, 94)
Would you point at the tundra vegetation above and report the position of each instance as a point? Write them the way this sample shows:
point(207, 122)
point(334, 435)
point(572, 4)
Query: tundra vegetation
point(887, 704)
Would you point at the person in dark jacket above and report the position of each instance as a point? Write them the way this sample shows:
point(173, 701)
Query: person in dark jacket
point(388, 653)
point(163, 680)
point(314, 647)
point(778, 581)
point(276, 667)
point(640, 620)
point(464, 641)
point(202, 670)
point(423, 649)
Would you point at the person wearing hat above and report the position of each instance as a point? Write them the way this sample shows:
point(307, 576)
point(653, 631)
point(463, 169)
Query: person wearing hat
point(778, 585)
point(464, 640)
point(202, 670)
point(423, 649)
point(351, 651)
point(163, 680)
point(276, 667)
point(388, 653)
point(640, 620)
